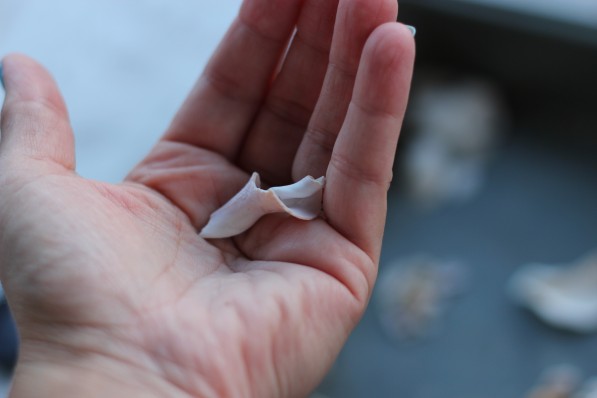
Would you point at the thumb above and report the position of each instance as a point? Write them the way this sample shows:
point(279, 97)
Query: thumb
point(34, 121)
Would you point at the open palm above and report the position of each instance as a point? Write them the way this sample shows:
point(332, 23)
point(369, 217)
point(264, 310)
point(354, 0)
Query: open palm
point(116, 276)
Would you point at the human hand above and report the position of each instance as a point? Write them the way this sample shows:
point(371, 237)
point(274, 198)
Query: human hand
point(111, 287)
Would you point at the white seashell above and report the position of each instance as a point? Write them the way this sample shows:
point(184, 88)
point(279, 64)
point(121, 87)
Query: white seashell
point(301, 200)
point(457, 124)
point(564, 297)
point(588, 389)
point(412, 294)
point(558, 381)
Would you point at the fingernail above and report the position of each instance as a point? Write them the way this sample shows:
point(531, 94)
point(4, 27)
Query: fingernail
point(412, 29)
point(1, 75)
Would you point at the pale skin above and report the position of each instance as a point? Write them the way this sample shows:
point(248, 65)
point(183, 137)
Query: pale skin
point(114, 293)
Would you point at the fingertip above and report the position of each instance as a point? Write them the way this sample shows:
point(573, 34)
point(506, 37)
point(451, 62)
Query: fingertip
point(24, 79)
point(392, 38)
point(386, 69)
point(34, 118)
point(11, 64)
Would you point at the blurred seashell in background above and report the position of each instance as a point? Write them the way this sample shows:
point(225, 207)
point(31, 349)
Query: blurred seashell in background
point(412, 293)
point(456, 124)
point(558, 381)
point(588, 389)
point(562, 296)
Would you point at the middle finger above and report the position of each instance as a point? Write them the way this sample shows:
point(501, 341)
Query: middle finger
point(278, 129)
point(355, 22)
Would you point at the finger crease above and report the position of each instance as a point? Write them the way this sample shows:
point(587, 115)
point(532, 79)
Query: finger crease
point(230, 89)
point(324, 139)
point(254, 30)
point(352, 171)
point(310, 44)
point(290, 111)
point(375, 112)
point(343, 68)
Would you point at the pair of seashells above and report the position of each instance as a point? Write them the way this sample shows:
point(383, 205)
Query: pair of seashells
point(301, 200)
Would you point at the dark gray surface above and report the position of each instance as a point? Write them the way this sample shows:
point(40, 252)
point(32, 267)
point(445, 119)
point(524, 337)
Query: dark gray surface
point(575, 20)
point(539, 204)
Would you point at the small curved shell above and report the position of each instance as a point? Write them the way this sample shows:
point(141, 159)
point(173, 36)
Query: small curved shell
point(301, 200)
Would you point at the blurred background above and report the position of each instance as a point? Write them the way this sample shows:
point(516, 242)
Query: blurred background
point(487, 284)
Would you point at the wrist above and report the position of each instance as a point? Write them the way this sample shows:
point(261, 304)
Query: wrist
point(42, 372)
